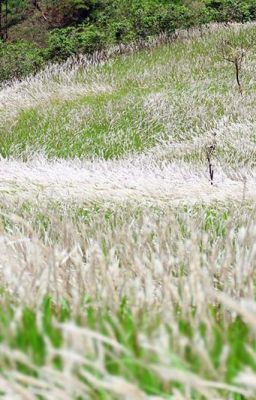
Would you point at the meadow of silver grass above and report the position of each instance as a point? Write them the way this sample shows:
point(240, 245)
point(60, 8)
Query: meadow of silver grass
point(145, 226)
point(161, 261)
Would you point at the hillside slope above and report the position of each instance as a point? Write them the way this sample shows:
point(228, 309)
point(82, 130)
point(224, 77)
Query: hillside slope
point(126, 270)
point(36, 32)
point(169, 103)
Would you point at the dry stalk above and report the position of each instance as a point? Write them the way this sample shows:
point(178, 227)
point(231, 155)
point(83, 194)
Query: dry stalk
point(237, 61)
point(209, 153)
point(234, 56)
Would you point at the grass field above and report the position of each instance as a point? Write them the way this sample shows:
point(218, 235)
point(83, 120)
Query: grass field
point(124, 273)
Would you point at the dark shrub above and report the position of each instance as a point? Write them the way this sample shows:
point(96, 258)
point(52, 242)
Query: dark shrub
point(19, 59)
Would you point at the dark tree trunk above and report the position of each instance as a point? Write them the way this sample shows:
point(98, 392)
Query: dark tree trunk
point(35, 4)
point(3, 20)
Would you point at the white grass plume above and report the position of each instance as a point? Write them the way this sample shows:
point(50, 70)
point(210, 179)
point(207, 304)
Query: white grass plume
point(136, 179)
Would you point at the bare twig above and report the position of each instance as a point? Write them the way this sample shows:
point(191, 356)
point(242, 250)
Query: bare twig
point(209, 153)
point(235, 56)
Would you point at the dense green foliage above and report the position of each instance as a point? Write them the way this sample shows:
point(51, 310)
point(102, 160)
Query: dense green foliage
point(83, 26)
point(19, 59)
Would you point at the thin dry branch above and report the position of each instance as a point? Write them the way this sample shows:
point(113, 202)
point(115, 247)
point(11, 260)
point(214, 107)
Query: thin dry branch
point(234, 56)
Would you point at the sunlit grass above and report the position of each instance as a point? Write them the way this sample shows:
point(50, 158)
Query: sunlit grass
point(128, 295)
point(124, 274)
point(173, 93)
